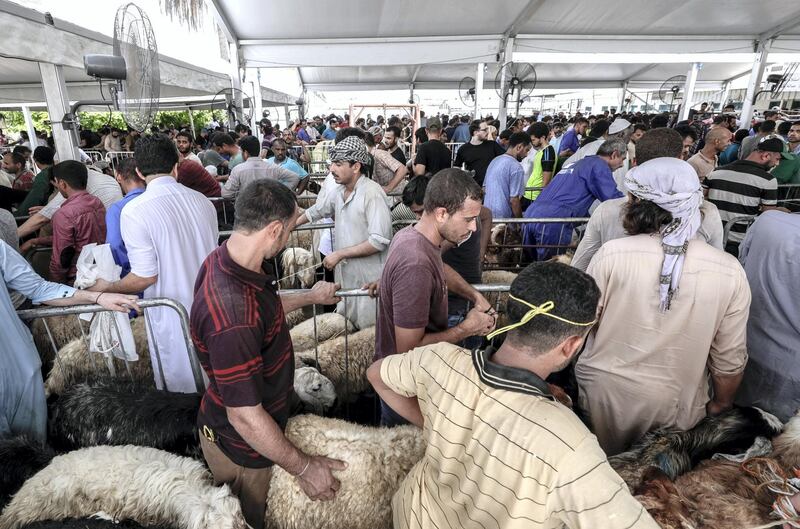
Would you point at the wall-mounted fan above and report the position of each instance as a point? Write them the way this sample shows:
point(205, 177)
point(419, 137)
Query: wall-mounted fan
point(237, 105)
point(671, 91)
point(467, 91)
point(414, 100)
point(133, 67)
point(520, 81)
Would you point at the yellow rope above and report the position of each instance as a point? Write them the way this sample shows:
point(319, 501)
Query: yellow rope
point(536, 310)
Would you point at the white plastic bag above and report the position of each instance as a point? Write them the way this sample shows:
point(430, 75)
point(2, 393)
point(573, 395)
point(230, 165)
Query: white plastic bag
point(110, 332)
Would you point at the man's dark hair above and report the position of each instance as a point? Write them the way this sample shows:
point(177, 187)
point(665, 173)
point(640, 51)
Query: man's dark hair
point(599, 128)
point(72, 172)
point(581, 120)
point(414, 192)
point(155, 154)
point(506, 134)
point(279, 141)
point(185, 134)
point(783, 127)
point(347, 132)
point(686, 130)
point(538, 130)
point(720, 119)
point(17, 158)
point(740, 135)
point(262, 202)
point(220, 139)
point(465, 118)
point(250, 145)
point(474, 127)
point(240, 128)
point(662, 142)
point(395, 130)
point(369, 139)
point(126, 168)
point(640, 126)
point(22, 149)
point(449, 189)
point(519, 138)
point(661, 120)
point(643, 216)
point(44, 155)
point(574, 295)
point(767, 126)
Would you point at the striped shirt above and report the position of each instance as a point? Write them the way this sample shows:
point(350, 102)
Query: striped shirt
point(501, 452)
point(243, 344)
point(739, 190)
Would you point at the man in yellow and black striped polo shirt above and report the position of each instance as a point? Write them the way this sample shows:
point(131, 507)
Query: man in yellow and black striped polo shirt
point(502, 452)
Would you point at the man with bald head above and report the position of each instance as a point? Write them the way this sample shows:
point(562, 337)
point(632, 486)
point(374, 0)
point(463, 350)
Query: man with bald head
point(705, 160)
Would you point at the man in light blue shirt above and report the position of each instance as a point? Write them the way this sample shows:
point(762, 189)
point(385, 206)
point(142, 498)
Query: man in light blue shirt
point(282, 159)
point(461, 134)
point(504, 184)
point(23, 408)
point(132, 186)
point(330, 132)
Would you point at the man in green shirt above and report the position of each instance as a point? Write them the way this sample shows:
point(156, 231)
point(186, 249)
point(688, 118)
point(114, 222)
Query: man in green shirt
point(42, 188)
point(788, 170)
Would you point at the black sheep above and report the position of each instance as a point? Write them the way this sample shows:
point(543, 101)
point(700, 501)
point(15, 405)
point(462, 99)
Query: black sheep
point(90, 523)
point(20, 458)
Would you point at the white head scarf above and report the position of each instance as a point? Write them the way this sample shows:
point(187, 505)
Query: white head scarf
point(671, 184)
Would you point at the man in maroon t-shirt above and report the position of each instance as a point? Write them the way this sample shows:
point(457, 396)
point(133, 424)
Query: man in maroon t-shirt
point(415, 282)
point(194, 176)
point(239, 329)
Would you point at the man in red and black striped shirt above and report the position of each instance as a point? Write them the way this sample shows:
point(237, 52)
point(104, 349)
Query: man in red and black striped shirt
point(242, 339)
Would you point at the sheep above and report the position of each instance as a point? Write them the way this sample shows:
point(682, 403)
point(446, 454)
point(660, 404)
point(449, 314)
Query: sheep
point(74, 362)
point(299, 315)
point(498, 300)
point(786, 447)
point(142, 484)
point(20, 458)
point(328, 325)
point(121, 412)
point(349, 375)
point(377, 461)
point(298, 268)
point(505, 257)
point(676, 452)
point(301, 239)
point(64, 329)
point(99, 521)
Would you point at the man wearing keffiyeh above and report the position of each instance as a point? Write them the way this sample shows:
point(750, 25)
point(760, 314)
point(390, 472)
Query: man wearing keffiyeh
point(674, 311)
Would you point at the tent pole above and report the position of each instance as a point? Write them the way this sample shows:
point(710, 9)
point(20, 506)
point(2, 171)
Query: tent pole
point(688, 90)
point(746, 115)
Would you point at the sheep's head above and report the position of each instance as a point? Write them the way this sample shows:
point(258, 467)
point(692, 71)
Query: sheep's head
point(786, 446)
point(314, 389)
point(223, 511)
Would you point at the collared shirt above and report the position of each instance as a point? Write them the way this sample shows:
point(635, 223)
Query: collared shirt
point(98, 184)
point(385, 167)
point(605, 225)
point(501, 451)
point(290, 164)
point(361, 217)
point(702, 165)
point(243, 343)
point(79, 221)
point(505, 179)
point(113, 233)
point(739, 190)
point(23, 407)
point(254, 168)
point(169, 231)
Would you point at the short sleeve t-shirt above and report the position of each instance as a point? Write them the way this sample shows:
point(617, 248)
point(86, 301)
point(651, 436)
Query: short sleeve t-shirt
point(413, 291)
point(478, 157)
point(434, 155)
point(243, 343)
point(466, 260)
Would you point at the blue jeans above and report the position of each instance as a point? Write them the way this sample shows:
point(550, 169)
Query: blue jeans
point(391, 418)
point(470, 343)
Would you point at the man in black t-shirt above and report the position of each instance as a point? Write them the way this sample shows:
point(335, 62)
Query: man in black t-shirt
point(390, 139)
point(479, 152)
point(433, 155)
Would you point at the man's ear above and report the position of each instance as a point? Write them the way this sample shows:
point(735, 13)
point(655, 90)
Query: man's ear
point(569, 347)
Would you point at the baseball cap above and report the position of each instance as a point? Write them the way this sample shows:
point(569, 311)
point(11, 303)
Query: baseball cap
point(618, 126)
point(434, 123)
point(775, 145)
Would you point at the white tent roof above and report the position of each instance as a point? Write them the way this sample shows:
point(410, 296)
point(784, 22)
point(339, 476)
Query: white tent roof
point(363, 44)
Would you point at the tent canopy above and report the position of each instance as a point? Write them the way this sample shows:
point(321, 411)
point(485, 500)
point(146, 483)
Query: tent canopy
point(388, 45)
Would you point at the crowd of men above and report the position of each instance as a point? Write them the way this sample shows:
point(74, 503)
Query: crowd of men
point(661, 320)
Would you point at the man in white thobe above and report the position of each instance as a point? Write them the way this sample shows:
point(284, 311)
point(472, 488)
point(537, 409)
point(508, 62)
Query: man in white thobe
point(363, 227)
point(168, 231)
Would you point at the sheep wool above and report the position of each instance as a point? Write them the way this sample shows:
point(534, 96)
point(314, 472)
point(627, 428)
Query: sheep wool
point(315, 390)
point(377, 461)
point(347, 372)
point(20, 458)
point(498, 300)
point(329, 325)
point(74, 362)
point(64, 329)
point(298, 268)
point(145, 485)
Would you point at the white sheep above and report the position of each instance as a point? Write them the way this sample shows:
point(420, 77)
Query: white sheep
point(64, 329)
point(314, 389)
point(75, 363)
point(146, 485)
point(301, 239)
point(498, 300)
point(298, 268)
point(299, 315)
point(348, 374)
point(329, 325)
point(377, 461)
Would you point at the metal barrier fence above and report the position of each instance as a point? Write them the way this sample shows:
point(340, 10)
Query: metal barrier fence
point(95, 156)
point(789, 196)
point(453, 151)
point(76, 310)
point(113, 157)
point(747, 220)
